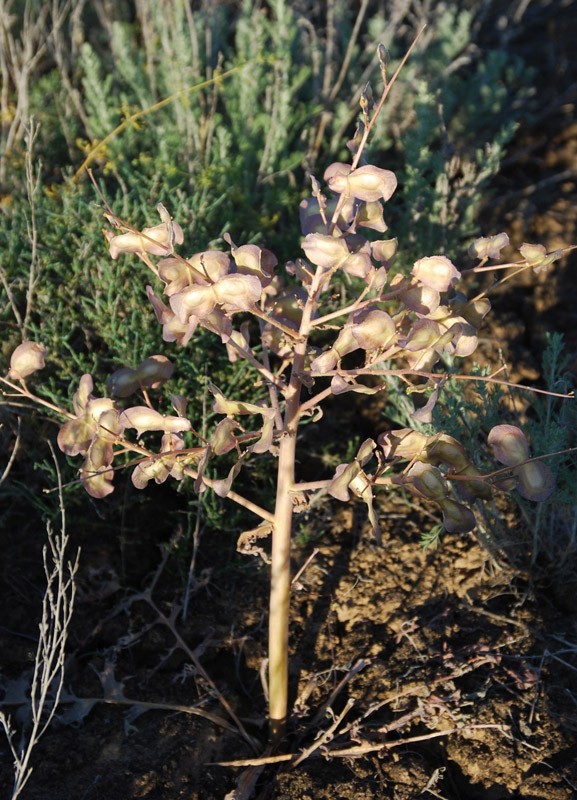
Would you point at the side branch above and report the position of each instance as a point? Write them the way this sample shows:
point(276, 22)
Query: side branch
point(351, 373)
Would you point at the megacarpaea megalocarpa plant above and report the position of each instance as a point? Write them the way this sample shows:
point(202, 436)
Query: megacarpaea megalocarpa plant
point(395, 325)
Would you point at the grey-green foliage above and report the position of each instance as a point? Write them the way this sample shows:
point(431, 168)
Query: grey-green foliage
point(551, 427)
point(550, 423)
point(225, 157)
point(463, 121)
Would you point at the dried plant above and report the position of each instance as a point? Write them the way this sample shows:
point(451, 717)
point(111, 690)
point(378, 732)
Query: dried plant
point(396, 325)
point(44, 693)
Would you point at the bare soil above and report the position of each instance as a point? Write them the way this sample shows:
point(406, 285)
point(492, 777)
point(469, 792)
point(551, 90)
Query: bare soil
point(460, 669)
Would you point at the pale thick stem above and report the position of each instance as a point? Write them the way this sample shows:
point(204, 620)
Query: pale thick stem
point(281, 541)
point(280, 590)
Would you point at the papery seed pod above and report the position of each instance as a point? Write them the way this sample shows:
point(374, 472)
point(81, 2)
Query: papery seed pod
point(474, 312)
point(373, 329)
point(489, 246)
point(76, 435)
point(325, 251)
point(505, 484)
point(151, 469)
point(325, 362)
point(402, 443)
point(238, 292)
point(424, 333)
point(144, 419)
point(537, 257)
point(366, 183)
point(385, 251)
point(535, 481)
point(421, 299)
point(253, 260)
point(175, 274)
point(100, 452)
point(179, 403)
point(510, 445)
point(223, 439)
point(427, 480)
point(123, 382)
point(370, 215)
point(154, 371)
point(358, 265)
point(194, 301)
point(344, 474)
point(26, 359)
point(232, 407)
point(173, 330)
point(336, 168)
point(463, 337)
point(423, 360)
point(211, 264)
point(457, 518)
point(444, 449)
point(436, 272)
point(83, 394)
point(155, 241)
point(469, 491)
point(97, 481)
point(109, 426)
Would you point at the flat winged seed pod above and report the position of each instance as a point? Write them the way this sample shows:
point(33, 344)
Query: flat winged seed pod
point(537, 256)
point(385, 250)
point(212, 265)
point(155, 241)
point(373, 329)
point(238, 292)
point(123, 382)
point(489, 246)
point(457, 518)
point(145, 419)
point(193, 301)
point(173, 330)
point(325, 251)
point(97, 481)
point(436, 272)
point(26, 359)
point(535, 481)
point(154, 371)
point(366, 183)
point(427, 480)
point(402, 443)
point(509, 443)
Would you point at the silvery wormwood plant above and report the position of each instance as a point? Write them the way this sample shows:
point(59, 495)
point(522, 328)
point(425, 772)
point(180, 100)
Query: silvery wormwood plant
point(395, 325)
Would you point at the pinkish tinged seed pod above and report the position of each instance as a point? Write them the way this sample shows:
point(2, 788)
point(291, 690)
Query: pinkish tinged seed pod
point(26, 359)
point(535, 481)
point(154, 371)
point(436, 272)
point(123, 382)
point(157, 241)
point(402, 443)
point(366, 183)
point(446, 450)
point(428, 481)
point(325, 251)
point(510, 445)
point(489, 246)
point(144, 419)
point(457, 518)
